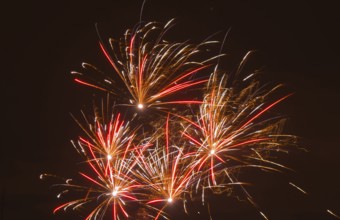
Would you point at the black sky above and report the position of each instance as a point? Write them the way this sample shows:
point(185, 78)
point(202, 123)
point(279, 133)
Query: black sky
point(297, 43)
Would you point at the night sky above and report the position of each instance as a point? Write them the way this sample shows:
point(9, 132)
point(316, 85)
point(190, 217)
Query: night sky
point(297, 44)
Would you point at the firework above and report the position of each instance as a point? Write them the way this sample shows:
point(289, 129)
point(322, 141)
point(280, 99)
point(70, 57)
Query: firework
point(184, 155)
point(150, 68)
point(109, 180)
point(227, 134)
point(164, 169)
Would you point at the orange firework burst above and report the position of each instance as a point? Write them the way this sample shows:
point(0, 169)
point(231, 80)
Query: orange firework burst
point(230, 129)
point(150, 67)
point(164, 170)
point(110, 183)
point(228, 134)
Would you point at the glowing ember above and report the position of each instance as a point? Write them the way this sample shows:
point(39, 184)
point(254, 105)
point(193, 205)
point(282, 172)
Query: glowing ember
point(114, 193)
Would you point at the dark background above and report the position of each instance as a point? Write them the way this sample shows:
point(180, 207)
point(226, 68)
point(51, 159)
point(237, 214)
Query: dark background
point(297, 43)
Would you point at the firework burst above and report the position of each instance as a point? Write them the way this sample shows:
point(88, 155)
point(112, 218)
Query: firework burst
point(109, 180)
point(185, 154)
point(150, 67)
point(164, 169)
point(227, 133)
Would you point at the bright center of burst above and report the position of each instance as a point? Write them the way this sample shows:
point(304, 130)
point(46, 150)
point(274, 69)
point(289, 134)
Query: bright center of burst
point(170, 199)
point(212, 152)
point(109, 157)
point(114, 192)
point(140, 106)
